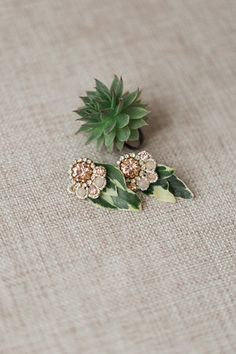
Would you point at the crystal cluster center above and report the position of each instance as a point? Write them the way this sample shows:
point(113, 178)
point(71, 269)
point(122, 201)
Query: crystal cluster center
point(138, 170)
point(130, 167)
point(82, 171)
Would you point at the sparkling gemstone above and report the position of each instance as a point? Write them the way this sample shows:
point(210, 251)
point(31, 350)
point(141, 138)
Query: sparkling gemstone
point(82, 171)
point(152, 177)
point(100, 182)
point(143, 184)
point(150, 164)
point(93, 191)
point(100, 171)
point(130, 167)
point(144, 155)
point(81, 192)
point(132, 186)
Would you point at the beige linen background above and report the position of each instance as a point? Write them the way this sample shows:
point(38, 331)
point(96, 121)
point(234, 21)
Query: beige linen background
point(76, 279)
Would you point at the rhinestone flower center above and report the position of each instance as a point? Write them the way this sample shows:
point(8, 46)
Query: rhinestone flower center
point(130, 167)
point(82, 171)
point(138, 170)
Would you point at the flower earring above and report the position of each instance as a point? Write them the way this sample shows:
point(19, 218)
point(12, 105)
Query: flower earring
point(120, 188)
point(88, 179)
point(139, 170)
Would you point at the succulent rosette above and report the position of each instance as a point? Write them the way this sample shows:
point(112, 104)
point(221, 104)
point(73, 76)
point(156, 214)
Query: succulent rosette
point(111, 117)
point(88, 179)
point(138, 170)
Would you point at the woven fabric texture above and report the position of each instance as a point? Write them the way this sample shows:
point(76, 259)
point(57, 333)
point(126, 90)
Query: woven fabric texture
point(80, 280)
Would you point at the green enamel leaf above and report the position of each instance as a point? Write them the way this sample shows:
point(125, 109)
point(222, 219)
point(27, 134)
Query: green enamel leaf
point(168, 186)
point(179, 188)
point(103, 203)
point(160, 190)
point(164, 195)
point(115, 175)
point(116, 195)
point(164, 171)
point(131, 198)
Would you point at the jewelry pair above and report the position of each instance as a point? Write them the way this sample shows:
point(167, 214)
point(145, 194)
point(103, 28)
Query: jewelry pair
point(120, 187)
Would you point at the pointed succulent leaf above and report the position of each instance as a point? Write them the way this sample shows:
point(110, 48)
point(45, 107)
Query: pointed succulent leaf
point(119, 106)
point(109, 126)
point(102, 89)
point(110, 147)
point(131, 98)
point(100, 142)
point(107, 113)
point(85, 99)
point(119, 144)
point(117, 86)
point(136, 112)
point(113, 100)
point(137, 123)
point(122, 120)
point(91, 94)
point(123, 134)
point(109, 138)
point(85, 128)
point(94, 135)
point(83, 111)
point(134, 135)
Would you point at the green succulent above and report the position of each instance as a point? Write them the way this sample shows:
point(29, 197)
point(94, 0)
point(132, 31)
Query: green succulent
point(111, 117)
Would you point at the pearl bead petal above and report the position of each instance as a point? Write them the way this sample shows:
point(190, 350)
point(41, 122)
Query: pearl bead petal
point(93, 191)
point(150, 165)
point(81, 192)
point(100, 182)
point(143, 184)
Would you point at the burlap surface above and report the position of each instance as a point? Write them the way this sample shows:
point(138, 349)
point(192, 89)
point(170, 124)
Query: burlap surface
point(76, 279)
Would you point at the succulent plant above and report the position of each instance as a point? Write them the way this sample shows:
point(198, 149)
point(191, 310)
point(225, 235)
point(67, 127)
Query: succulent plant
point(110, 117)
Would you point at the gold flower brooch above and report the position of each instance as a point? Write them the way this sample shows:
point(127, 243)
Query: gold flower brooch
point(121, 187)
